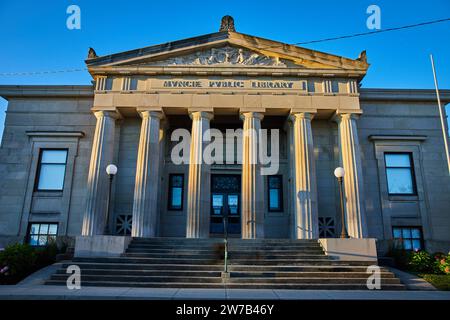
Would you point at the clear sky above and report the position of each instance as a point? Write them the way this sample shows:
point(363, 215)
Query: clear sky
point(34, 35)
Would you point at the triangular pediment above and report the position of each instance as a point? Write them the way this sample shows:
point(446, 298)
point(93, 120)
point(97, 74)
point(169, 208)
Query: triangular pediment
point(228, 49)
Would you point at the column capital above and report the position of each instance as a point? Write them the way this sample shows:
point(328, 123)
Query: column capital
point(197, 115)
point(107, 113)
point(341, 115)
point(151, 114)
point(301, 115)
point(251, 114)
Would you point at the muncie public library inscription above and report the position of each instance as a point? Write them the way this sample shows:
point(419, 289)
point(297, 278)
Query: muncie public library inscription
point(299, 85)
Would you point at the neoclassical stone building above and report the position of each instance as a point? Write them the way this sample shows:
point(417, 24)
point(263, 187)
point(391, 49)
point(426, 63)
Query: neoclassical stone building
point(58, 141)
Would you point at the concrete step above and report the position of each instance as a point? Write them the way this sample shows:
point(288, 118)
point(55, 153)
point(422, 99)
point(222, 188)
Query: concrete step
point(175, 255)
point(325, 260)
point(289, 262)
point(218, 246)
point(162, 273)
point(231, 255)
point(217, 240)
point(180, 261)
point(305, 274)
point(305, 280)
point(211, 245)
point(202, 279)
point(198, 263)
point(347, 286)
point(140, 278)
point(138, 266)
point(217, 267)
point(206, 251)
point(234, 274)
point(300, 268)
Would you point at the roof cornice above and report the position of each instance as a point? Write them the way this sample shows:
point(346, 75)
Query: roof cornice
point(378, 94)
point(15, 91)
point(366, 94)
point(263, 46)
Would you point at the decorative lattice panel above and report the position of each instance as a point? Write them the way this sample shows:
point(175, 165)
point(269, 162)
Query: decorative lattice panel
point(327, 227)
point(123, 224)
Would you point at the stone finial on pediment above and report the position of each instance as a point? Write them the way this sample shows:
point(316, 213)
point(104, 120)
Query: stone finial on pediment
point(92, 54)
point(227, 24)
point(362, 56)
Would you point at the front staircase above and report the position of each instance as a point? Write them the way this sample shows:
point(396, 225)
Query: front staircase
point(199, 263)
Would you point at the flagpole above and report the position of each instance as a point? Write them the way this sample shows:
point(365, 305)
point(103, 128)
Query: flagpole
point(442, 115)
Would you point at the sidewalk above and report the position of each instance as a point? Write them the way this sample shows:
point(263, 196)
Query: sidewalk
point(41, 292)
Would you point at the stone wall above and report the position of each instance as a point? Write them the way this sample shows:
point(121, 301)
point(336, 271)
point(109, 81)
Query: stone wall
point(19, 203)
point(431, 207)
point(19, 156)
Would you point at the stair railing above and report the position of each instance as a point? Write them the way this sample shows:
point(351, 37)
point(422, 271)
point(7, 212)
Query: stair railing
point(225, 240)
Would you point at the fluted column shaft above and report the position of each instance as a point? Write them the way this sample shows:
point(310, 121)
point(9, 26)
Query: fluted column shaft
point(199, 189)
point(252, 180)
point(353, 179)
point(306, 222)
point(145, 204)
point(94, 219)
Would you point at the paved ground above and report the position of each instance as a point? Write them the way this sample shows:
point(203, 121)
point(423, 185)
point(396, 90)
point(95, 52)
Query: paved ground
point(41, 292)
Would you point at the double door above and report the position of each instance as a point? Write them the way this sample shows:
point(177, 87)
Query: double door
point(225, 205)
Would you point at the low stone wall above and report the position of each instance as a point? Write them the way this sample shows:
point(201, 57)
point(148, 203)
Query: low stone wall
point(101, 246)
point(350, 249)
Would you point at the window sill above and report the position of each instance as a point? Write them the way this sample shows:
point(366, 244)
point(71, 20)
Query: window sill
point(47, 194)
point(401, 198)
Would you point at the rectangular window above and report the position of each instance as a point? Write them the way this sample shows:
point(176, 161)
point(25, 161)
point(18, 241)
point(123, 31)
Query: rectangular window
point(51, 170)
point(41, 233)
point(275, 193)
point(409, 238)
point(176, 183)
point(400, 174)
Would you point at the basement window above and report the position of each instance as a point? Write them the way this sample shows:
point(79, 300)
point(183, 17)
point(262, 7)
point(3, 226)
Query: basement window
point(40, 234)
point(408, 238)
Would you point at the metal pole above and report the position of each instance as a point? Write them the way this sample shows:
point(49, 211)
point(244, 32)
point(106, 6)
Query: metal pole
point(106, 231)
point(442, 115)
point(343, 229)
point(225, 234)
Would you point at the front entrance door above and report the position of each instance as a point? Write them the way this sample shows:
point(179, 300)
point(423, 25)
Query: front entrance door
point(225, 202)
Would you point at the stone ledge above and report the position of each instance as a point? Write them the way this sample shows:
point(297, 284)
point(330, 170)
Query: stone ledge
point(101, 246)
point(350, 249)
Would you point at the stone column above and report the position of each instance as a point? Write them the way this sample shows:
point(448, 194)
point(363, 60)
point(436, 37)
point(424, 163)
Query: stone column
point(252, 181)
point(145, 204)
point(306, 221)
point(353, 179)
point(199, 188)
point(97, 186)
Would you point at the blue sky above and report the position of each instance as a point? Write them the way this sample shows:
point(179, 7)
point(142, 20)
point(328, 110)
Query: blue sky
point(34, 35)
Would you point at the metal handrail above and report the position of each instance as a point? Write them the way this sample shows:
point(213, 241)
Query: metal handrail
point(225, 235)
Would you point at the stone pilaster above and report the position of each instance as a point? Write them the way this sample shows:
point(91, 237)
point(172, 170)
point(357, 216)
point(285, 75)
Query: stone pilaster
point(306, 222)
point(145, 204)
point(97, 186)
point(252, 181)
point(199, 189)
point(353, 179)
